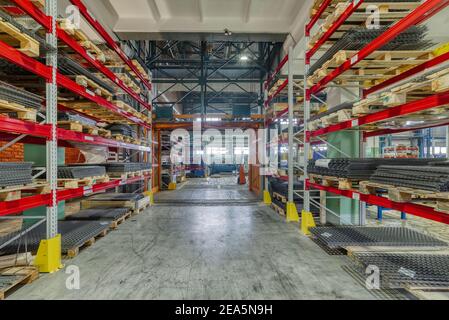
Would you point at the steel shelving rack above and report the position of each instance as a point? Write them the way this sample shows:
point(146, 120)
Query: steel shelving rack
point(48, 133)
point(423, 12)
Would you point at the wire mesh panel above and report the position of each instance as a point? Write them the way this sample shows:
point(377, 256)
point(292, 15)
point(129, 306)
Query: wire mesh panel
point(341, 236)
point(99, 214)
point(398, 270)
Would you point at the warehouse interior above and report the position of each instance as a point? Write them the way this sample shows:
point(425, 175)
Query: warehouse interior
point(224, 150)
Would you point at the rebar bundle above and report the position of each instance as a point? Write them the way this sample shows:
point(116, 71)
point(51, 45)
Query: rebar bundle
point(13, 94)
point(431, 177)
point(357, 38)
point(405, 270)
point(15, 173)
point(344, 236)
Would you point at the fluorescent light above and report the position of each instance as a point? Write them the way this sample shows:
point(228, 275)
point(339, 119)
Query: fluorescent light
point(244, 58)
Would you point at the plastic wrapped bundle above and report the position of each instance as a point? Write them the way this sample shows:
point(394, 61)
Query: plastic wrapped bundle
point(123, 129)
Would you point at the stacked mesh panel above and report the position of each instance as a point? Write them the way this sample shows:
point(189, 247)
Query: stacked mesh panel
point(405, 270)
point(80, 172)
point(123, 129)
point(13, 174)
point(124, 167)
point(74, 234)
point(430, 177)
point(24, 98)
point(66, 116)
point(68, 66)
point(357, 38)
point(344, 236)
point(99, 214)
point(117, 197)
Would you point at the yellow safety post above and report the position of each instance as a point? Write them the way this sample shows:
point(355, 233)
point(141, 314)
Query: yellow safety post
point(266, 197)
point(150, 195)
point(48, 258)
point(292, 212)
point(307, 222)
point(172, 186)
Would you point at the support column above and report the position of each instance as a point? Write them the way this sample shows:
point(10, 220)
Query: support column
point(292, 212)
point(48, 257)
point(267, 139)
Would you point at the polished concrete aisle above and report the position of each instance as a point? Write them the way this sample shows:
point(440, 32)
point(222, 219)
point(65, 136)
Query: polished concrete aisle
point(203, 252)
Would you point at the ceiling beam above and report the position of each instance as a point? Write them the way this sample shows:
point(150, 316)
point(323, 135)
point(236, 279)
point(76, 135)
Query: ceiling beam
point(246, 12)
point(154, 10)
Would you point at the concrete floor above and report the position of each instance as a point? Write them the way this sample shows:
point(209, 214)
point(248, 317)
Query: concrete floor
point(243, 251)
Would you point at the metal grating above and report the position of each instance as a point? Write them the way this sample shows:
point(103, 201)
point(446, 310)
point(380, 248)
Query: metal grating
point(342, 236)
point(15, 173)
point(400, 270)
point(116, 197)
point(74, 234)
point(99, 214)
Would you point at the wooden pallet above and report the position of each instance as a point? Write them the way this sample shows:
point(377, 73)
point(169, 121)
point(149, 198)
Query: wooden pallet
point(279, 197)
point(119, 221)
point(129, 82)
point(328, 181)
point(90, 84)
point(401, 194)
point(73, 252)
point(379, 65)
point(15, 192)
point(77, 183)
point(403, 94)
point(278, 209)
point(82, 39)
point(17, 39)
point(19, 276)
point(96, 111)
point(71, 125)
point(21, 112)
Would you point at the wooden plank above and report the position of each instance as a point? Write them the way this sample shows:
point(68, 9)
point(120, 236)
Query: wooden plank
point(21, 276)
point(13, 36)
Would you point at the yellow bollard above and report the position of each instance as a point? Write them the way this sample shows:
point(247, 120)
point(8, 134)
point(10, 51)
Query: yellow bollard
point(307, 222)
point(266, 198)
point(292, 212)
point(48, 258)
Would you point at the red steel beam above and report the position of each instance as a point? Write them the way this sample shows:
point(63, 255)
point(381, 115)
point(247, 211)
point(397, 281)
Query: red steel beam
point(422, 67)
point(45, 21)
point(337, 24)
point(105, 35)
point(14, 56)
point(410, 208)
point(317, 16)
point(423, 12)
point(24, 127)
point(408, 108)
point(276, 71)
point(26, 203)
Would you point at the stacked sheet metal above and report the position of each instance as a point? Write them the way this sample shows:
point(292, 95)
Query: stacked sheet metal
point(74, 234)
point(430, 177)
point(80, 172)
point(124, 167)
point(123, 129)
point(15, 173)
point(406, 270)
point(99, 214)
point(357, 38)
point(345, 236)
point(16, 95)
point(360, 169)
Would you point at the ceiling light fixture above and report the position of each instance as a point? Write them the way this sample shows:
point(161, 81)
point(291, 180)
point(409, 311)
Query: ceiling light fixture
point(244, 58)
